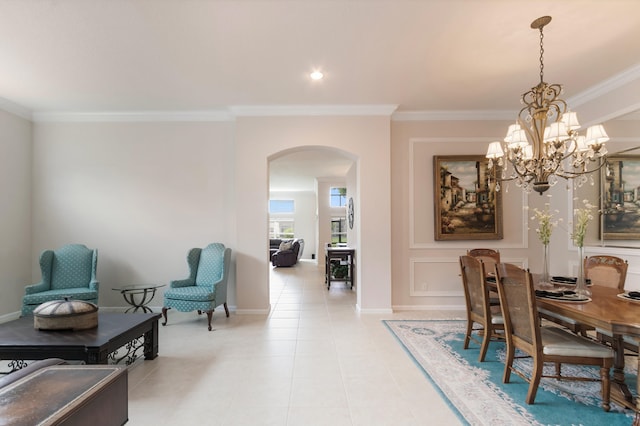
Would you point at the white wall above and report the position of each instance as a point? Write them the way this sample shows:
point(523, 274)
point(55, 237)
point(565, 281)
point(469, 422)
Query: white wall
point(15, 210)
point(143, 194)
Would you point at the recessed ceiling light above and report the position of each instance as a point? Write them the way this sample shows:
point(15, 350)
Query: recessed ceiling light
point(316, 75)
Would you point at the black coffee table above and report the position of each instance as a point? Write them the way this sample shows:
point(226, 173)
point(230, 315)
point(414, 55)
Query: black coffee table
point(20, 341)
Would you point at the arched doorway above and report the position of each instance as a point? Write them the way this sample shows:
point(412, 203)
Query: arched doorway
point(300, 182)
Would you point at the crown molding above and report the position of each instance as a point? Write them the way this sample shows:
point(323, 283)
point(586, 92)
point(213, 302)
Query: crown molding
point(311, 110)
point(625, 77)
point(214, 115)
point(133, 116)
point(16, 109)
point(463, 115)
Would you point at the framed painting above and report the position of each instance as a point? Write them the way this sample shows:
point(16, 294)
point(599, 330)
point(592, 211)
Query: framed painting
point(467, 206)
point(620, 198)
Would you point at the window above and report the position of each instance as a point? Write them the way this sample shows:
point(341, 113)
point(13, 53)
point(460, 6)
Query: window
point(282, 228)
point(338, 197)
point(338, 231)
point(281, 223)
point(281, 206)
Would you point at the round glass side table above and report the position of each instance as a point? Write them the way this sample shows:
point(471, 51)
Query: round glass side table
point(138, 295)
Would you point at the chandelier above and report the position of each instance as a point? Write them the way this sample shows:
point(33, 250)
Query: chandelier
point(544, 143)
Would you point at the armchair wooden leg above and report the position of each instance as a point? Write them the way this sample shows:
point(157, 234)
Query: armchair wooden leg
point(164, 313)
point(209, 315)
point(226, 309)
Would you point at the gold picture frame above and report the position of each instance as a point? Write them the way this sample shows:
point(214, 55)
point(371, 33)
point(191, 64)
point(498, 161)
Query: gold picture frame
point(467, 205)
point(620, 198)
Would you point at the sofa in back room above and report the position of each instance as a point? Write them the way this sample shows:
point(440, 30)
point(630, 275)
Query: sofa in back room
point(288, 252)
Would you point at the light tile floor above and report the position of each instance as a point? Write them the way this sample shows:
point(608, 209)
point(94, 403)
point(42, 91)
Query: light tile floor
point(313, 361)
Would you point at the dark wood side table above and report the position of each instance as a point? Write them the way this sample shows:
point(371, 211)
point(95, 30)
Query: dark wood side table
point(344, 256)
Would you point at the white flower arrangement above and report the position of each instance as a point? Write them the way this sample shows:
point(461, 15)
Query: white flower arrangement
point(545, 222)
point(581, 218)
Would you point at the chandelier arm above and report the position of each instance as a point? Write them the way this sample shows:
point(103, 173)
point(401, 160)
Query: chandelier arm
point(568, 174)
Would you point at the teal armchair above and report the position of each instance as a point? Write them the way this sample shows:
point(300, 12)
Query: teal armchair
point(206, 286)
point(69, 271)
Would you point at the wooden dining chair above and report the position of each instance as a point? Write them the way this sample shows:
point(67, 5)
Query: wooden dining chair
point(608, 271)
point(490, 258)
point(543, 343)
point(479, 310)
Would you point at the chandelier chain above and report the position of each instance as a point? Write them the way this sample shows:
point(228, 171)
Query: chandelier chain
point(541, 55)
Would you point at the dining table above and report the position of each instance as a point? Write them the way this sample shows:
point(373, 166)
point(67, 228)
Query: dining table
point(620, 317)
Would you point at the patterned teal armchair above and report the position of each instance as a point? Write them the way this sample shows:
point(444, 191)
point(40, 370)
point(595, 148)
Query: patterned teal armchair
point(206, 287)
point(69, 272)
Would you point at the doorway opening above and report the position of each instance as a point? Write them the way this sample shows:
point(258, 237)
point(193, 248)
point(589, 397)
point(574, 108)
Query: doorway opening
point(310, 181)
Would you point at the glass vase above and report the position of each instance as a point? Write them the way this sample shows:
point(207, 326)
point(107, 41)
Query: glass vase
point(545, 264)
point(581, 284)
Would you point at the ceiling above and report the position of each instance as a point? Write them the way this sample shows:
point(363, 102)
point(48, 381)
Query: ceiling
point(122, 56)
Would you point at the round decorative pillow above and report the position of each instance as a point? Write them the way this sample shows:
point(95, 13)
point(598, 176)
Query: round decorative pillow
point(65, 315)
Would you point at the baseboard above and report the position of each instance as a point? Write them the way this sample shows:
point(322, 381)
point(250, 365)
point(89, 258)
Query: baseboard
point(397, 308)
point(378, 311)
point(9, 317)
point(253, 311)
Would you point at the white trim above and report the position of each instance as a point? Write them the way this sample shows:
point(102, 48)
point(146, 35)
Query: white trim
point(625, 77)
point(376, 311)
point(9, 317)
point(310, 110)
point(253, 311)
point(133, 116)
point(397, 308)
point(421, 293)
point(229, 114)
point(523, 262)
point(614, 115)
point(463, 115)
point(16, 109)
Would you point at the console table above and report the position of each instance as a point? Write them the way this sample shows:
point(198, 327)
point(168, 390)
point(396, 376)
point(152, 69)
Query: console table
point(20, 341)
point(344, 256)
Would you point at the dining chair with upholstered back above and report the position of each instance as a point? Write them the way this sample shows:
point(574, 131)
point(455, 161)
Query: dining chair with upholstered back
point(479, 311)
point(543, 343)
point(608, 271)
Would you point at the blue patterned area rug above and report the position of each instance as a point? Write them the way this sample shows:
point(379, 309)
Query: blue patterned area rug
point(475, 390)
